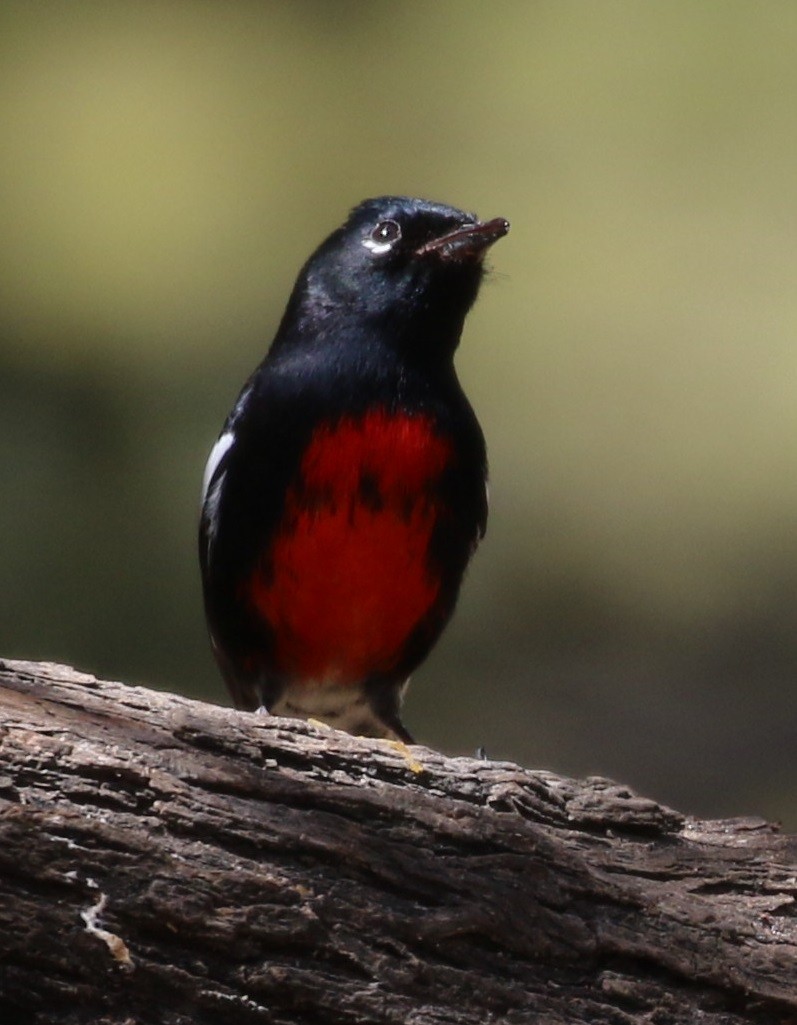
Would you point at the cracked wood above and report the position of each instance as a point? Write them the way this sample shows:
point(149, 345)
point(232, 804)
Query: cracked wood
point(168, 861)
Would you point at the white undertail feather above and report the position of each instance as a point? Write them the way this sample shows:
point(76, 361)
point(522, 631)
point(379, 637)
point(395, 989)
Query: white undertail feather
point(343, 706)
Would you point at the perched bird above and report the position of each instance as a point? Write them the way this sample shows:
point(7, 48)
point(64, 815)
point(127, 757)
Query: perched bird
point(346, 493)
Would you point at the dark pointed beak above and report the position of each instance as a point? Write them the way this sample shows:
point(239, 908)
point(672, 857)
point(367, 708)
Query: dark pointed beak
point(468, 242)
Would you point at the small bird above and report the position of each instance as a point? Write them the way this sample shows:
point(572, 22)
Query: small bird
point(347, 490)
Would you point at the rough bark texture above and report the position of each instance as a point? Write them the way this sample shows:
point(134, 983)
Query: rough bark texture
point(167, 861)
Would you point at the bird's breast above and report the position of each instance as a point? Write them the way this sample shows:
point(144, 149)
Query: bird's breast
point(346, 577)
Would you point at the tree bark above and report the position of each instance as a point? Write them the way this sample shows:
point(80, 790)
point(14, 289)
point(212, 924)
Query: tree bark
point(168, 861)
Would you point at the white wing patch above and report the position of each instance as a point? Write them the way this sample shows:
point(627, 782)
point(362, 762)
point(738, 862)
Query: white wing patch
point(212, 485)
point(217, 453)
point(210, 513)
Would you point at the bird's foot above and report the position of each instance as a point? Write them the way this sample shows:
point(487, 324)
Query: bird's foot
point(319, 723)
point(412, 763)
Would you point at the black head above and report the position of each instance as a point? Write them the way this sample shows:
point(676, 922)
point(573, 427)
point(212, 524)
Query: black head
point(407, 266)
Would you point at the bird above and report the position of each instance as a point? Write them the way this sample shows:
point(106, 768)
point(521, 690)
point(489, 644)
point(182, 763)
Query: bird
point(347, 491)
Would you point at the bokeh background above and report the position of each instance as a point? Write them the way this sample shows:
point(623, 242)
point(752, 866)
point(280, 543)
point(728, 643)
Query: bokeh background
point(164, 170)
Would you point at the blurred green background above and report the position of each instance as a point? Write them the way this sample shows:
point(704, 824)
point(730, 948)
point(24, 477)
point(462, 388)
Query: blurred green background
point(164, 170)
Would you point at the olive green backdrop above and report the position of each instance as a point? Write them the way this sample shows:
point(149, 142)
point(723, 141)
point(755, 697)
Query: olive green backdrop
point(166, 167)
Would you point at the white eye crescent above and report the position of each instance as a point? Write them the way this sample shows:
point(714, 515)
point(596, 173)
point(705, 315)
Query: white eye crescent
point(377, 248)
point(383, 237)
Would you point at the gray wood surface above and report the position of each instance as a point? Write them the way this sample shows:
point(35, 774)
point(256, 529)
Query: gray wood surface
point(168, 861)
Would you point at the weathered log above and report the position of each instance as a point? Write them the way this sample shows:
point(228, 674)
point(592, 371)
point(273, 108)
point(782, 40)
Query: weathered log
point(167, 861)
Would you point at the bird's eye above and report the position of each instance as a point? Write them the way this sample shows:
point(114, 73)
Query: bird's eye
point(386, 232)
point(383, 237)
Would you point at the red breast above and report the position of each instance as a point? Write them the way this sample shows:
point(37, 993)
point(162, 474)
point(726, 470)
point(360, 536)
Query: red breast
point(347, 577)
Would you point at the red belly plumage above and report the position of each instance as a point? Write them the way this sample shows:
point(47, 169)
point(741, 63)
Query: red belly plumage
point(347, 578)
